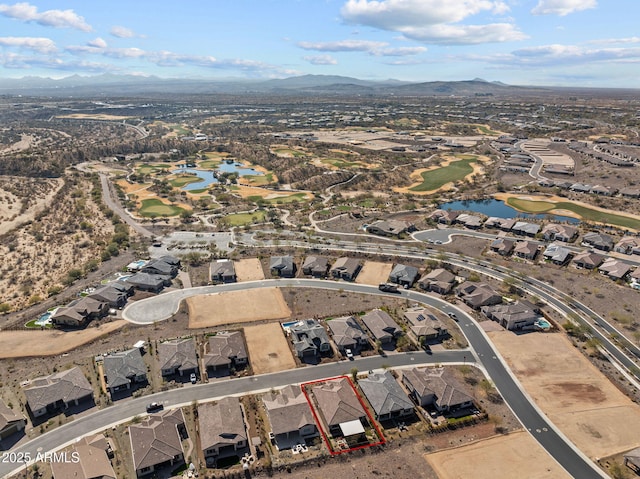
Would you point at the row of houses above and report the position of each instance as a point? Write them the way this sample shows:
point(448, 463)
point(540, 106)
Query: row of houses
point(317, 266)
point(153, 276)
point(311, 340)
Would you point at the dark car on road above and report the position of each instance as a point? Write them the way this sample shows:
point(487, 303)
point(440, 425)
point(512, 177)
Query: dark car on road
point(154, 406)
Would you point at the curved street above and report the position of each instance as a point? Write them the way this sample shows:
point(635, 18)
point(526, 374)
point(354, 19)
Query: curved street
point(552, 440)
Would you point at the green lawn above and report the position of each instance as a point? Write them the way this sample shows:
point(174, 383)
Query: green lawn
point(153, 207)
point(180, 130)
point(198, 191)
point(339, 163)
point(486, 131)
point(454, 171)
point(289, 151)
point(209, 164)
point(242, 219)
point(183, 180)
point(281, 200)
point(259, 180)
point(587, 214)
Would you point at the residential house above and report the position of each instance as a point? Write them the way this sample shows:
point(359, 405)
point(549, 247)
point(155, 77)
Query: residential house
point(345, 268)
point(437, 388)
point(424, 326)
point(470, 221)
point(588, 260)
point(225, 351)
point(580, 188)
point(80, 312)
point(172, 260)
point(404, 275)
point(159, 266)
point(603, 190)
point(632, 460)
point(557, 254)
point(290, 416)
point(222, 271)
point(178, 356)
point(310, 340)
point(114, 297)
point(600, 241)
point(124, 369)
point(504, 224)
point(526, 250)
point(282, 266)
point(444, 216)
point(156, 442)
point(477, 295)
point(525, 229)
point(347, 334)
point(89, 459)
point(614, 269)
point(502, 246)
point(559, 232)
point(628, 245)
point(222, 429)
point(10, 422)
point(381, 326)
point(149, 282)
point(630, 192)
point(57, 392)
point(338, 404)
point(316, 266)
point(514, 316)
point(386, 397)
point(438, 280)
point(123, 287)
point(389, 227)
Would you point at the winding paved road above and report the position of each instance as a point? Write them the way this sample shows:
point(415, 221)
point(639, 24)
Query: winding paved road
point(554, 442)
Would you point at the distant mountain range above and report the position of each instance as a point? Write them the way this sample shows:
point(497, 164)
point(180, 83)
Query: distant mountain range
point(132, 85)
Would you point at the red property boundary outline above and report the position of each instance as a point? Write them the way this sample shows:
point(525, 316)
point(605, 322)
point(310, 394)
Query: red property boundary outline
point(319, 423)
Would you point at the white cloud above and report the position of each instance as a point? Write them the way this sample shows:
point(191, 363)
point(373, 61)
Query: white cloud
point(98, 43)
point(39, 44)
point(122, 32)
point(613, 41)
point(320, 59)
point(561, 55)
point(433, 21)
point(562, 7)
point(367, 46)
point(50, 18)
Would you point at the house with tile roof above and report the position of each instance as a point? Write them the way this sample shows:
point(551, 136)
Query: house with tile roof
point(124, 370)
point(10, 421)
point(57, 392)
point(338, 404)
point(225, 351)
point(386, 397)
point(438, 280)
point(223, 432)
point(178, 356)
point(381, 326)
point(290, 416)
point(437, 388)
point(347, 334)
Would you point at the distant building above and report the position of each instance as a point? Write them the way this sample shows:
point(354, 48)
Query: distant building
point(559, 232)
point(389, 227)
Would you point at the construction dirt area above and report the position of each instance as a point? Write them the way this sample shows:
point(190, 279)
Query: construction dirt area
point(22, 344)
point(249, 269)
point(501, 457)
point(232, 307)
point(374, 272)
point(574, 394)
point(268, 348)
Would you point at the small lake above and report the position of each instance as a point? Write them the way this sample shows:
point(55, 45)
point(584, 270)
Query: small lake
point(208, 177)
point(500, 209)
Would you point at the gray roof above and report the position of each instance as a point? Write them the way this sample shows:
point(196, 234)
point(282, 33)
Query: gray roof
point(402, 273)
point(478, 294)
point(178, 353)
point(109, 294)
point(308, 334)
point(224, 347)
point(316, 264)
point(284, 264)
point(222, 267)
point(557, 253)
point(526, 228)
point(288, 410)
point(7, 415)
point(440, 382)
point(67, 386)
point(337, 401)
point(385, 394)
point(346, 265)
point(438, 275)
point(381, 325)
point(92, 463)
point(221, 423)
point(156, 440)
point(147, 280)
point(121, 366)
point(346, 331)
point(514, 315)
point(391, 227)
point(158, 266)
point(598, 240)
point(422, 322)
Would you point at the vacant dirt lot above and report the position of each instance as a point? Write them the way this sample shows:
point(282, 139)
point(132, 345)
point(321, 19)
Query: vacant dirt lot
point(374, 272)
point(577, 398)
point(236, 307)
point(21, 344)
point(268, 348)
point(499, 457)
point(249, 269)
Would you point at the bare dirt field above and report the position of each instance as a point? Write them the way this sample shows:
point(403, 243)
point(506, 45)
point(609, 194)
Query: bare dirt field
point(498, 457)
point(268, 348)
point(236, 307)
point(577, 398)
point(34, 196)
point(20, 344)
point(374, 272)
point(249, 269)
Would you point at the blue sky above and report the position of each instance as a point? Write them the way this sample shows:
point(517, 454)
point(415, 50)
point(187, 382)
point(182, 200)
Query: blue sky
point(525, 42)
